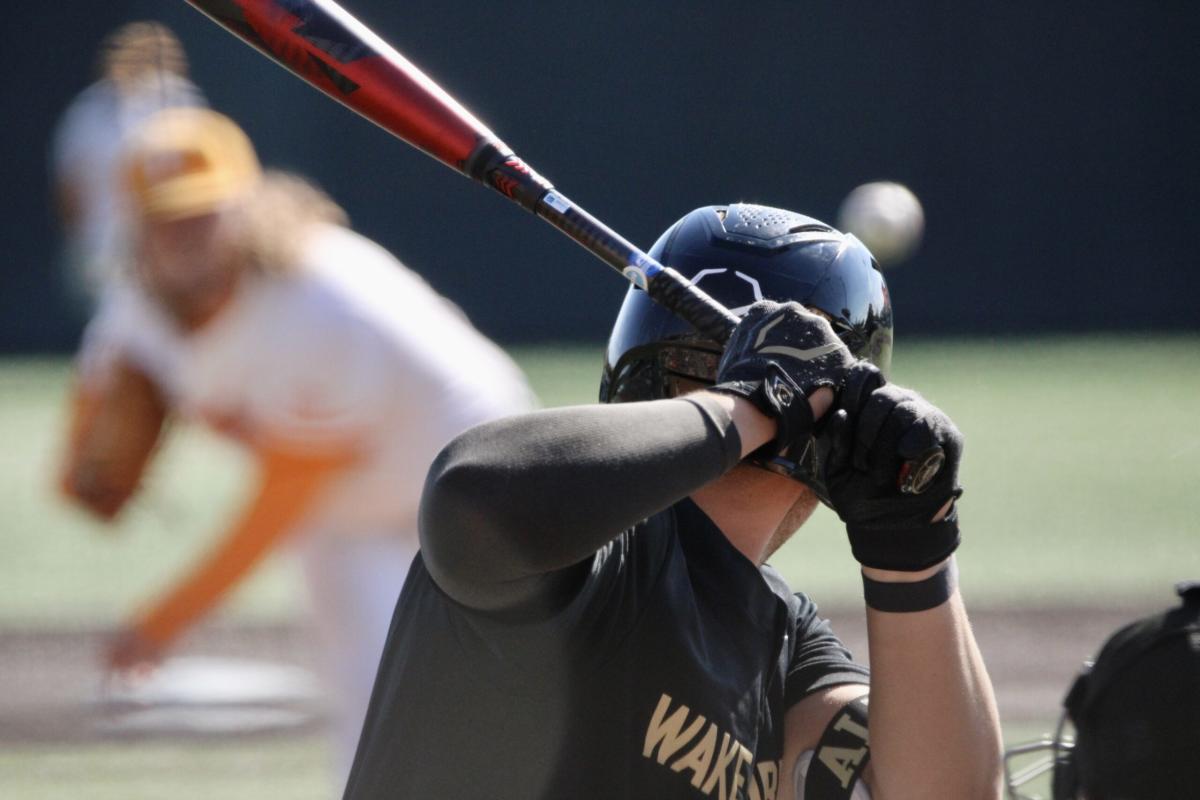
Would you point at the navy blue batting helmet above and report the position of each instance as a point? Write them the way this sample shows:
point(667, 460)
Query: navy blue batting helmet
point(740, 254)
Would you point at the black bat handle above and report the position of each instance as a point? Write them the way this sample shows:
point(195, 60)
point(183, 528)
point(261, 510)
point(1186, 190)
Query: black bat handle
point(664, 285)
point(496, 166)
point(677, 293)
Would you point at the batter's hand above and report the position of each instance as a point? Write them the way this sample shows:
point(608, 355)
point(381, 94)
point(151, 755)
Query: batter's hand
point(875, 431)
point(779, 354)
point(132, 653)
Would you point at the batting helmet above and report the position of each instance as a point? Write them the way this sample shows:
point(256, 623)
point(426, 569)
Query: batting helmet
point(740, 254)
point(1135, 712)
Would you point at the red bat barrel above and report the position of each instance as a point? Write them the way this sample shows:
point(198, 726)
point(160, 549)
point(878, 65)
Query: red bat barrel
point(322, 43)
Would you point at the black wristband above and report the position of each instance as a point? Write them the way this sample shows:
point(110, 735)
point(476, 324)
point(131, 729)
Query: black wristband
point(902, 598)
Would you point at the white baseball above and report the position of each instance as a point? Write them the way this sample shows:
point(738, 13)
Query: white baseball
point(887, 218)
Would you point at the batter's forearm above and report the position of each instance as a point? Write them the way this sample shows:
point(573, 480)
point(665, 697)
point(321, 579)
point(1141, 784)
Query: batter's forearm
point(934, 728)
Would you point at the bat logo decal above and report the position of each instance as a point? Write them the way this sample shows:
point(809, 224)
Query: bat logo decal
point(504, 183)
point(326, 33)
point(308, 25)
point(518, 165)
point(344, 84)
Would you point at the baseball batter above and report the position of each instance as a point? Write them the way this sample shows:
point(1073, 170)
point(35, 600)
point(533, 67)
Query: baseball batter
point(592, 615)
point(258, 313)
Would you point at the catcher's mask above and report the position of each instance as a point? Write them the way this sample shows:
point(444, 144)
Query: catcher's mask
point(740, 254)
point(1130, 725)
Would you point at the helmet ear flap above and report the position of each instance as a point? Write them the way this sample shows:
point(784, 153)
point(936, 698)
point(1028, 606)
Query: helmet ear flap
point(605, 386)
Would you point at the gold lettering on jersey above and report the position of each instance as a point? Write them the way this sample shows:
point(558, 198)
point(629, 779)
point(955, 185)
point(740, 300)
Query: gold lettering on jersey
point(744, 759)
point(845, 723)
point(664, 732)
point(841, 761)
point(766, 785)
point(699, 758)
point(719, 765)
point(729, 752)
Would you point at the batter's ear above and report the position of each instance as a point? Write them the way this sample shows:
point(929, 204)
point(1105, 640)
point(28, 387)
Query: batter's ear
point(841, 757)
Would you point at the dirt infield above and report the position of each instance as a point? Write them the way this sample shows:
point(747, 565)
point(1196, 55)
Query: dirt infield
point(51, 680)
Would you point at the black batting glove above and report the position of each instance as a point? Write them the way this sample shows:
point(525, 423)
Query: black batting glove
point(892, 465)
point(778, 355)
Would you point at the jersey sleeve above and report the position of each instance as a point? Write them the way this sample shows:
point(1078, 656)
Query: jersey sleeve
point(819, 660)
point(542, 643)
point(514, 510)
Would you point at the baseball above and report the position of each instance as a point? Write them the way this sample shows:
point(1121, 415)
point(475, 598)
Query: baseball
point(887, 218)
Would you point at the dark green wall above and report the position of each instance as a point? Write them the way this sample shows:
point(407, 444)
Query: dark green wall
point(1053, 144)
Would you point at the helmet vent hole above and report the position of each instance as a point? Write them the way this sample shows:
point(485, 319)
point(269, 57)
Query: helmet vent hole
point(767, 224)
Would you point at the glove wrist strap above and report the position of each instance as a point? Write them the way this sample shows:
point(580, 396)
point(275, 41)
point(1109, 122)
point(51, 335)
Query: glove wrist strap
point(779, 397)
point(906, 598)
point(904, 549)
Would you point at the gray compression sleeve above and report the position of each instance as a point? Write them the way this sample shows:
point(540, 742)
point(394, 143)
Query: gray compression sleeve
point(512, 505)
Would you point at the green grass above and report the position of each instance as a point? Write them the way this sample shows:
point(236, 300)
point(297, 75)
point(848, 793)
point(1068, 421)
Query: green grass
point(269, 767)
point(1082, 459)
point(281, 768)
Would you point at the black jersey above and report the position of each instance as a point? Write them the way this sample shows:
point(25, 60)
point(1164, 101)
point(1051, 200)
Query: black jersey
point(667, 675)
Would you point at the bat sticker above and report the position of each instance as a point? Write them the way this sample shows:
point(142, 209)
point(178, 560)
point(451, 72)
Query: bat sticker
point(557, 202)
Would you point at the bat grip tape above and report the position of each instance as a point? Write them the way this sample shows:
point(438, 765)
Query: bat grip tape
point(675, 293)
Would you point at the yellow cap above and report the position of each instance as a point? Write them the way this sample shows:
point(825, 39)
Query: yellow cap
point(185, 162)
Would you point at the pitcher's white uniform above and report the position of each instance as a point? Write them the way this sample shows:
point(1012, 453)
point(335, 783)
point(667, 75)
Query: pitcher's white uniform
point(355, 355)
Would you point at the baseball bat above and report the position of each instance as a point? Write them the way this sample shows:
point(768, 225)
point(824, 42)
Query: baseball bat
point(324, 45)
point(320, 42)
